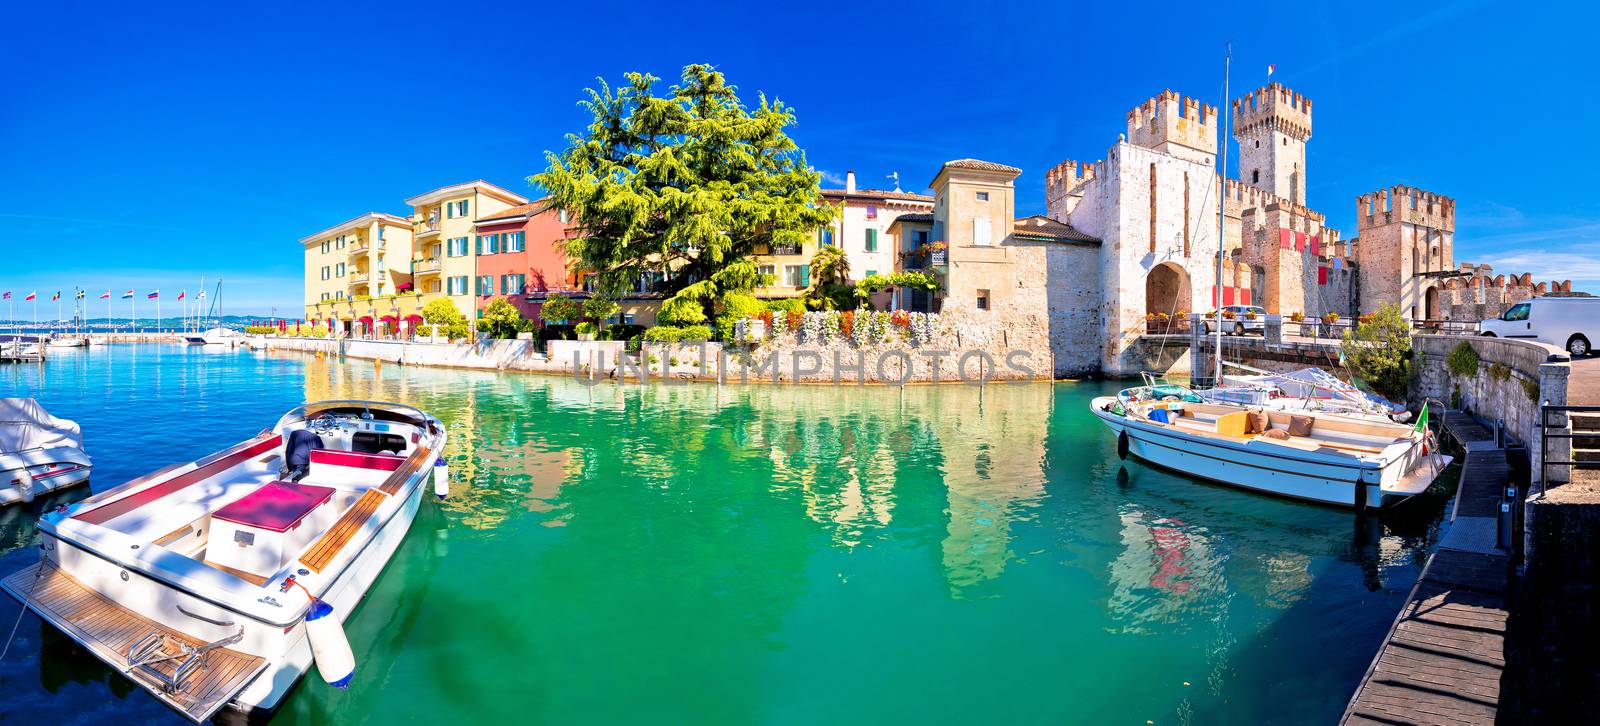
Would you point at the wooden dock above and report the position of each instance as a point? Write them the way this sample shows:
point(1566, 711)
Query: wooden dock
point(1442, 660)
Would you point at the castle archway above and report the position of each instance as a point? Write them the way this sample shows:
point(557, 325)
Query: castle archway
point(1430, 303)
point(1166, 289)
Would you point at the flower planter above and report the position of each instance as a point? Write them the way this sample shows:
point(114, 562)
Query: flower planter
point(939, 258)
point(586, 336)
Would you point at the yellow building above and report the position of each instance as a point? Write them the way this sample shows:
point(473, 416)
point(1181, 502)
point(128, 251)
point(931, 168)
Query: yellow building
point(369, 256)
point(445, 258)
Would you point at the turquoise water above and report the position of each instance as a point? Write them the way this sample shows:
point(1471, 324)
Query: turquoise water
point(781, 555)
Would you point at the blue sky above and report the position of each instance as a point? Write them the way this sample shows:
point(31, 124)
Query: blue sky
point(151, 145)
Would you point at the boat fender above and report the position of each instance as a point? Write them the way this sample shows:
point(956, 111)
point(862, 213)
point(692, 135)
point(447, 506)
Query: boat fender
point(25, 485)
point(329, 646)
point(1122, 444)
point(441, 478)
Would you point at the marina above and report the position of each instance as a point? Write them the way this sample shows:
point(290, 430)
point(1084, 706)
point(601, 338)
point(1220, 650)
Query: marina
point(718, 554)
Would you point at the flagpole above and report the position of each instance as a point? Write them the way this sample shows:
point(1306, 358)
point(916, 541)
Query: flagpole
point(133, 308)
point(158, 312)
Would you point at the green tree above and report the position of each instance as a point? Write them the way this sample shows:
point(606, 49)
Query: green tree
point(687, 185)
point(443, 315)
point(558, 309)
point(830, 281)
point(600, 307)
point(501, 319)
point(1379, 351)
point(733, 308)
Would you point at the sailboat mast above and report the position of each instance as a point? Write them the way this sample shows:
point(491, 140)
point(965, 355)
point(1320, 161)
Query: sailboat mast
point(1222, 214)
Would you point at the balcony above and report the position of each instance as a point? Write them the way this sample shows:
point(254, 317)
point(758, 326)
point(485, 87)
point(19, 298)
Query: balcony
point(427, 266)
point(359, 247)
point(780, 250)
point(427, 228)
point(359, 278)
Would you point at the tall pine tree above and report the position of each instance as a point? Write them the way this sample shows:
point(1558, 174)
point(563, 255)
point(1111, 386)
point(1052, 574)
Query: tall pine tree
point(688, 185)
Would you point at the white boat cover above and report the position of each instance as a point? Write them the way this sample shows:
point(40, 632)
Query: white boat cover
point(24, 424)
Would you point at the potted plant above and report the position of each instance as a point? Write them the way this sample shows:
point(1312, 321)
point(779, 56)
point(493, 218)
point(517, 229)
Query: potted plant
point(1328, 321)
point(585, 330)
point(938, 254)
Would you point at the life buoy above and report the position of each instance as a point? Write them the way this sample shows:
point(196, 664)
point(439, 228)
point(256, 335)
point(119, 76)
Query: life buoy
point(1122, 444)
point(329, 646)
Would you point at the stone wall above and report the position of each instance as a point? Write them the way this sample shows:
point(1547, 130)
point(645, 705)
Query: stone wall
point(1552, 667)
point(1521, 365)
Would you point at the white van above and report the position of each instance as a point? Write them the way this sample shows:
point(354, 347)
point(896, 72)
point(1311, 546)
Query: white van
point(1572, 323)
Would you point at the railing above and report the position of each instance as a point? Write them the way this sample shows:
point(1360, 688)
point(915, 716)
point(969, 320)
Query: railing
point(429, 227)
point(785, 250)
point(1446, 327)
point(1564, 431)
point(359, 247)
point(430, 265)
point(359, 278)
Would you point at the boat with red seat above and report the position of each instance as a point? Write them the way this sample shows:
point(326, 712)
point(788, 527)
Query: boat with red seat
point(218, 582)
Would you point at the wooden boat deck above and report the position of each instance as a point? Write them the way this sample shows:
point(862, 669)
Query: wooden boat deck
point(1443, 658)
point(328, 545)
point(108, 630)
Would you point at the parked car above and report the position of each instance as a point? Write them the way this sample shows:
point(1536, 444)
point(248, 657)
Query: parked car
point(1572, 323)
point(1242, 321)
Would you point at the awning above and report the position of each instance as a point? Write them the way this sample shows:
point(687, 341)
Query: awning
point(390, 319)
point(365, 320)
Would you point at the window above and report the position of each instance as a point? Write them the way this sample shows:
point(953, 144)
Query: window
point(456, 209)
point(381, 230)
point(326, 272)
point(797, 275)
point(872, 240)
point(769, 274)
point(339, 243)
point(870, 273)
point(1517, 312)
point(325, 247)
point(512, 284)
point(983, 299)
point(1255, 176)
point(872, 211)
point(563, 216)
point(825, 238)
point(338, 270)
point(477, 244)
point(980, 233)
point(455, 247)
point(516, 242)
point(324, 297)
point(983, 196)
point(486, 284)
point(919, 238)
point(456, 285)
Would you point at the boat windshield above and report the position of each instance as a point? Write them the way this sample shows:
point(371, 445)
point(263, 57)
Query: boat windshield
point(378, 410)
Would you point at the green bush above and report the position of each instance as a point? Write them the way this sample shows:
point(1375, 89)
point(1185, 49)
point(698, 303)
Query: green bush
point(559, 309)
point(678, 334)
point(443, 315)
point(601, 307)
point(735, 307)
point(679, 311)
point(786, 304)
point(622, 331)
point(1531, 389)
point(695, 333)
point(1379, 351)
point(1499, 372)
point(1462, 360)
point(501, 319)
point(423, 331)
point(584, 328)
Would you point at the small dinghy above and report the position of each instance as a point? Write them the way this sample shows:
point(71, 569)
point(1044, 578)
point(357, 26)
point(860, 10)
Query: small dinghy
point(219, 582)
point(1317, 457)
point(39, 453)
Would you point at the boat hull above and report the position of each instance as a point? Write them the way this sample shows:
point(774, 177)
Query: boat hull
point(49, 469)
point(1256, 468)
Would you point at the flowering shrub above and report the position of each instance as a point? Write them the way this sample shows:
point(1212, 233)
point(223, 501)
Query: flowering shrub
point(795, 319)
point(921, 325)
point(1297, 316)
point(847, 323)
point(859, 327)
point(901, 319)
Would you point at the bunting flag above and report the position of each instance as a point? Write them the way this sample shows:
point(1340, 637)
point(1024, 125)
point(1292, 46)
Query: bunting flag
point(1270, 68)
point(80, 294)
point(32, 295)
point(154, 294)
point(7, 297)
point(106, 296)
point(56, 296)
point(181, 293)
point(127, 295)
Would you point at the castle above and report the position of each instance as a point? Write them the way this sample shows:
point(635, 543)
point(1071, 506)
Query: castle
point(1154, 201)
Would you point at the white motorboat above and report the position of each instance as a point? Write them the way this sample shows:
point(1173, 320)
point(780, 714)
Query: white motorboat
point(96, 340)
point(218, 583)
point(1317, 457)
point(69, 342)
point(39, 453)
point(222, 336)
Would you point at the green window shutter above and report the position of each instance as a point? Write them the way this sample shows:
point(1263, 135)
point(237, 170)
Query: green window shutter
point(805, 275)
point(872, 240)
point(870, 273)
point(478, 243)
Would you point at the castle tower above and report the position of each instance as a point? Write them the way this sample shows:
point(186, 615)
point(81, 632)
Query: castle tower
point(1404, 233)
point(1272, 125)
point(1175, 125)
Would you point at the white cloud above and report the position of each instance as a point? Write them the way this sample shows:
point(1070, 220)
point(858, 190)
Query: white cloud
point(829, 177)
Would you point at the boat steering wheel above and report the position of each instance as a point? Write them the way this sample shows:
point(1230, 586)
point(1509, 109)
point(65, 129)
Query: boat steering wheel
point(323, 425)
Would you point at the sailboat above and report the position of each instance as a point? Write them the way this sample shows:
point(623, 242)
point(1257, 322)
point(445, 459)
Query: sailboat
point(216, 335)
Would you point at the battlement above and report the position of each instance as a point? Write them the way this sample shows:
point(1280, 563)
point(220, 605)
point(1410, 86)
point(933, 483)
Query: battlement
point(1238, 196)
point(1477, 277)
point(1061, 182)
point(1401, 203)
point(1272, 107)
point(1169, 121)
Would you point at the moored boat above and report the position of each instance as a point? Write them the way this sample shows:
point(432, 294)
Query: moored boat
point(1317, 457)
point(39, 453)
point(69, 342)
point(217, 583)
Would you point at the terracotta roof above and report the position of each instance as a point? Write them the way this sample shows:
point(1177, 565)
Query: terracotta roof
point(532, 208)
point(880, 194)
point(1039, 226)
point(981, 165)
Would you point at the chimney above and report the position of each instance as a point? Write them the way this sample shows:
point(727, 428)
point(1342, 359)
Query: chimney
point(850, 182)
